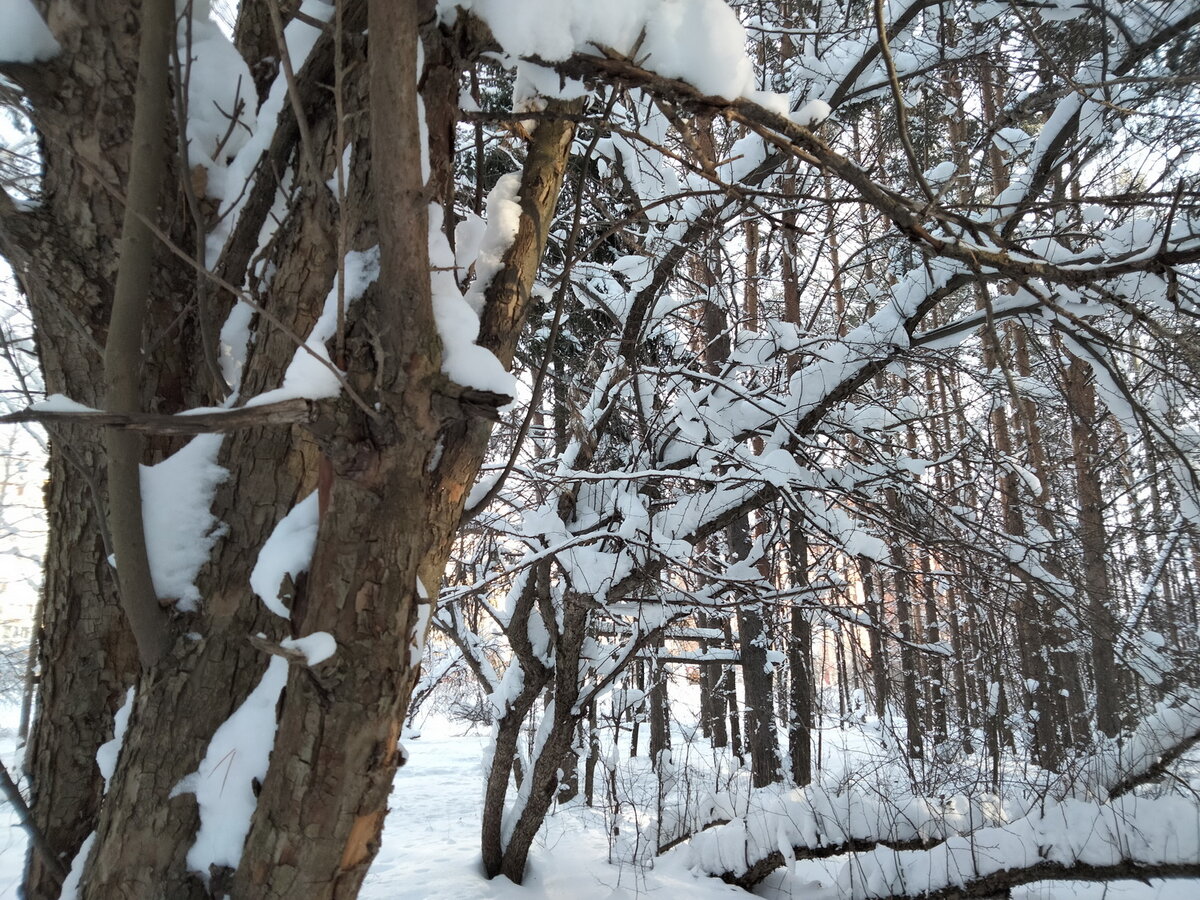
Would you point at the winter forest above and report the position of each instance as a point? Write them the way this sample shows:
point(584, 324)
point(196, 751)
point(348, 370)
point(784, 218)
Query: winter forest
point(602, 448)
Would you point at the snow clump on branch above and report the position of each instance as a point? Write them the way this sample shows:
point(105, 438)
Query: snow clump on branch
point(697, 41)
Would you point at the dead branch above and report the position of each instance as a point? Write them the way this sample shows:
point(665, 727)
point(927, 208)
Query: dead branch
point(286, 412)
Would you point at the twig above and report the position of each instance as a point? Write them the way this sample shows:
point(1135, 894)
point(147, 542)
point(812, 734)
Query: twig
point(898, 97)
point(183, 77)
point(289, 75)
point(241, 295)
point(13, 794)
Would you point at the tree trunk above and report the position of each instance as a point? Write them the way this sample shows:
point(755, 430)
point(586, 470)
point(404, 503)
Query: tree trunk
point(82, 621)
point(756, 674)
point(511, 719)
point(387, 514)
point(63, 253)
point(879, 665)
point(1101, 618)
point(544, 777)
point(123, 352)
point(756, 678)
point(936, 720)
point(593, 756)
point(801, 722)
point(712, 708)
point(914, 725)
point(659, 706)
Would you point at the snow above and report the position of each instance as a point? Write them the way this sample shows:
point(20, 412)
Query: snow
point(311, 373)
point(817, 817)
point(25, 38)
point(60, 403)
point(534, 83)
point(1165, 830)
point(1011, 140)
point(468, 238)
point(701, 42)
point(234, 342)
point(431, 839)
point(420, 632)
point(227, 180)
point(316, 647)
point(220, 91)
point(430, 844)
point(698, 41)
point(457, 316)
point(812, 113)
point(109, 752)
point(224, 782)
point(343, 170)
point(1071, 819)
point(941, 173)
point(1146, 591)
point(1170, 723)
point(70, 885)
point(499, 232)
point(180, 530)
point(746, 155)
point(287, 552)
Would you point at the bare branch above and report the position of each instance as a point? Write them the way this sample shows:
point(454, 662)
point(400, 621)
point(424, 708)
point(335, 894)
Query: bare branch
point(285, 413)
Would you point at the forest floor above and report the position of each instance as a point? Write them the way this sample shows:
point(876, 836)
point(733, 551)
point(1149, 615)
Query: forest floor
point(431, 840)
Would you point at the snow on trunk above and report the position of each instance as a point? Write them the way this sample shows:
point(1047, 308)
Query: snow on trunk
point(225, 782)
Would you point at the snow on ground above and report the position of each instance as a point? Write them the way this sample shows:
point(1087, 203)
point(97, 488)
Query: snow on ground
point(431, 840)
point(813, 880)
point(431, 837)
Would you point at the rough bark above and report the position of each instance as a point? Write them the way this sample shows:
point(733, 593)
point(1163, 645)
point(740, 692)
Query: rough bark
point(659, 705)
point(802, 690)
point(879, 664)
point(544, 776)
point(510, 720)
point(63, 252)
point(145, 832)
point(1100, 617)
point(380, 539)
point(914, 725)
point(82, 623)
point(710, 684)
point(387, 518)
point(757, 679)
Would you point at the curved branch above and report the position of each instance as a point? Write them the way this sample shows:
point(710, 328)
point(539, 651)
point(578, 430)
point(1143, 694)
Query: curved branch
point(123, 351)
